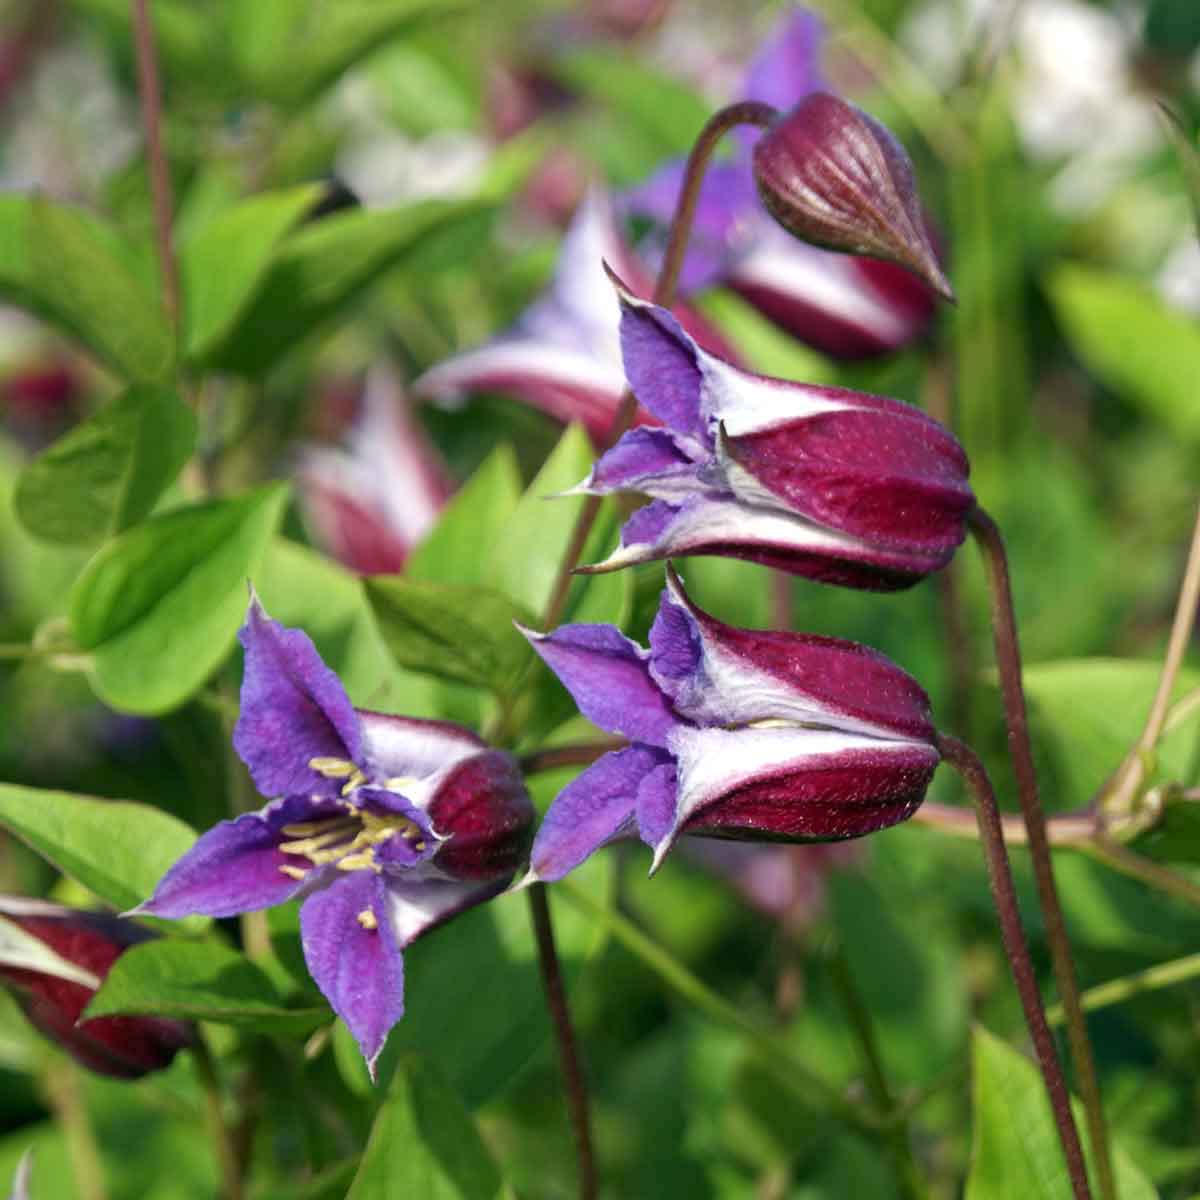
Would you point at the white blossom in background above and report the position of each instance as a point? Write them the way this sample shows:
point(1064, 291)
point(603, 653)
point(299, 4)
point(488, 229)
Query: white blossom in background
point(1178, 279)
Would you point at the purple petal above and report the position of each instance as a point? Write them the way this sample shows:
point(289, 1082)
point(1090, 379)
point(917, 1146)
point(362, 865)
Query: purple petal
point(739, 676)
point(353, 957)
point(409, 747)
point(787, 66)
point(595, 808)
point(661, 364)
point(656, 798)
point(655, 462)
point(236, 866)
point(794, 783)
point(608, 677)
point(417, 905)
point(293, 709)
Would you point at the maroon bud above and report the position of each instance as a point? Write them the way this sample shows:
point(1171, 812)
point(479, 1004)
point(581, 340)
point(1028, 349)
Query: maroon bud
point(54, 959)
point(833, 176)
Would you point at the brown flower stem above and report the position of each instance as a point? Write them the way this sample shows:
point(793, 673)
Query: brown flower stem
point(908, 1173)
point(160, 175)
point(1008, 662)
point(581, 754)
point(749, 112)
point(223, 1144)
point(1065, 829)
point(779, 597)
point(991, 831)
point(568, 1052)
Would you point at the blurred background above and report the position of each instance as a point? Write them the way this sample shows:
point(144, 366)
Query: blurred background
point(1069, 368)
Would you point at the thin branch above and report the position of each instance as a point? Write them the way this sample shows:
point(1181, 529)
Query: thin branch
point(1117, 991)
point(568, 1052)
point(1008, 664)
point(223, 1143)
point(991, 831)
point(1064, 829)
point(581, 754)
point(160, 175)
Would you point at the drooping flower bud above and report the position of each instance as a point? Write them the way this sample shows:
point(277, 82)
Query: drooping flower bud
point(54, 959)
point(834, 176)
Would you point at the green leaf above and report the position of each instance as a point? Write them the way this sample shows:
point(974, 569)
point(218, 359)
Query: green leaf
point(1093, 709)
point(425, 1144)
point(108, 472)
point(222, 265)
point(471, 525)
point(323, 268)
point(65, 265)
point(114, 848)
point(1016, 1153)
point(159, 607)
point(464, 634)
point(1185, 145)
point(200, 981)
point(320, 50)
point(1135, 343)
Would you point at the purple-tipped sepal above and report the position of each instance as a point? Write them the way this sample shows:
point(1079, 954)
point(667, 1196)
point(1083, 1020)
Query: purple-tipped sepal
point(834, 176)
point(54, 959)
point(387, 826)
point(735, 733)
point(836, 485)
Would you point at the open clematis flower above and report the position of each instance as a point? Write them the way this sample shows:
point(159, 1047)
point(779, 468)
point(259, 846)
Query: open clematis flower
point(384, 826)
point(846, 306)
point(54, 959)
point(734, 733)
point(836, 485)
point(563, 355)
point(370, 504)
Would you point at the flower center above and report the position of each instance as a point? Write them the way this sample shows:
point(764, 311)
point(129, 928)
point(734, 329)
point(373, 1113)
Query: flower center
point(348, 842)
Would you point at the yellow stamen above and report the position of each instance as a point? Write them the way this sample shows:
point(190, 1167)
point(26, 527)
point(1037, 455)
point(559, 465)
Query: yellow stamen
point(365, 861)
point(367, 919)
point(332, 768)
point(357, 779)
point(314, 845)
point(308, 828)
point(401, 782)
point(294, 872)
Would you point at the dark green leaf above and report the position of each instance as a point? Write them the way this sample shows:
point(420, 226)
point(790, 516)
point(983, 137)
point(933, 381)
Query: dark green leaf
point(107, 473)
point(1016, 1153)
point(114, 848)
point(221, 266)
point(201, 981)
point(465, 634)
point(424, 1144)
point(159, 607)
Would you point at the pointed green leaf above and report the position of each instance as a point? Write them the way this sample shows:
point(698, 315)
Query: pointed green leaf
point(160, 606)
point(471, 525)
point(115, 848)
point(107, 473)
point(1016, 1154)
point(464, 634)
point(425, 1144)
point(221, 266)
point(200, 981)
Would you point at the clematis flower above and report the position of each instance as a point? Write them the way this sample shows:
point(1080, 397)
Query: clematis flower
point(54, 959)
point(832, 484)
point(847, 307)
point(563, 355)
point(370, 504)
point(384, 826)
point(734, 733)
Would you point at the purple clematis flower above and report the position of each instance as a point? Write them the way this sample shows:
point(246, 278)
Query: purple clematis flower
point(384, 826)
point(370, 504)
point(733, 733)
point(832, 484)
point(845, 306)
point(563, 355)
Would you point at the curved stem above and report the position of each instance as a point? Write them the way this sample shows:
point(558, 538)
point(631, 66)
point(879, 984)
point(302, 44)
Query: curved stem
point(1008, 663)
point(1074, 829)
point(226, 1154)
point(964, 760)
point(581, 754)
point(749, 112)
point(160, 175)
point(774, 1052)
point(568, 1053)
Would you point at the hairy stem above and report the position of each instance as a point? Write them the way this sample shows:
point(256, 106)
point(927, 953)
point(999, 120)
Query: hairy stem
point(568, 1052)
point(908, 1174)
point(222, 1136)
point(991, 831)
point(1008, 663)
point(749, 112)
point(160, 175)
point(774, 1052)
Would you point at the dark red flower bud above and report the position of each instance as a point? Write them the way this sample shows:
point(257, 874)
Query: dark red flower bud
point(54, 960)
point(833, 176)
